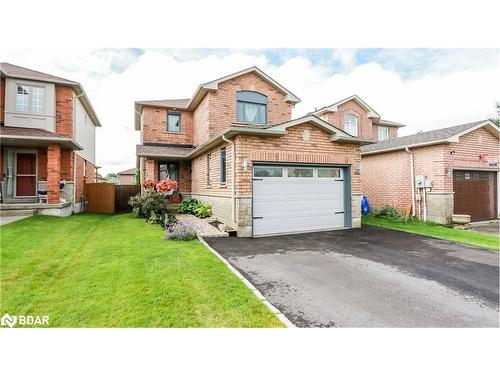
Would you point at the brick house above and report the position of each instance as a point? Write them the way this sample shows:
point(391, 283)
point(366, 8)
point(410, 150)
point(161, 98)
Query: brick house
point(234, 145)
point(127, 177)
point(354, 116)
point(47, 133)
point(437, 173)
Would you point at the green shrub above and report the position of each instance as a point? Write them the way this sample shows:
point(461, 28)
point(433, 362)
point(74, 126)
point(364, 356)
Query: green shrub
point(203, 210)
point(392, 214)
point(188, 206)
point(180, 232)
point(195, 207)
point(151, 206)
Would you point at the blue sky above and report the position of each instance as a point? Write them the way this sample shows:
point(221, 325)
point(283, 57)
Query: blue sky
point(423, 88)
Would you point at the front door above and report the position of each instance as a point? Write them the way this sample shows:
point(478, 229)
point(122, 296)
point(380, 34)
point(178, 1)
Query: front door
point(25, 174)
point(168, 169)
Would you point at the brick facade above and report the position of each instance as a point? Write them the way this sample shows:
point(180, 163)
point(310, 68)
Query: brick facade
point(366, 128)
point(53, 172)
point(154, 125)
point(64, 111)
point(2, 99)
point(386, 176)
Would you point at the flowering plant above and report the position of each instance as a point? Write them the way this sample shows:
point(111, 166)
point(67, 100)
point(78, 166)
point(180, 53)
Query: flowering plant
point(148, 184)
point(166, 185)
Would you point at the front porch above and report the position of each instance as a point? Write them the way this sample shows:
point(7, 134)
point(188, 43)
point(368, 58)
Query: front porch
point(36, 172)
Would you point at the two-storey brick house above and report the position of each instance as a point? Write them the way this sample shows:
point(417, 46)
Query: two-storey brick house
point(235, 145)
point(47, 134)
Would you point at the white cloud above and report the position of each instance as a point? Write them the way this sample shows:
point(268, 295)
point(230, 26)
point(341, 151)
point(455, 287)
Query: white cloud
point(423, 102)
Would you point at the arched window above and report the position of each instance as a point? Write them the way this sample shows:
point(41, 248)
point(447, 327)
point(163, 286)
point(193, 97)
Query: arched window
point(351, 125)
point(251, 107)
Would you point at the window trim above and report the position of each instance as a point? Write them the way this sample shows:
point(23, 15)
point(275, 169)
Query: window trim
point(295, 168)
point(209, 170)
point(347, 115)
point(180, 122)
point(29, 95)
point(255, 98)
point(255, 167)
point(223, 166)
point(378, 133)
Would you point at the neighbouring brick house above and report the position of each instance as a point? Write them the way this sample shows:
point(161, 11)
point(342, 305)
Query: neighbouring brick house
point(459, 163)
point(357, 118)
point(234, 145)
point(47, 133)
point(127, 177)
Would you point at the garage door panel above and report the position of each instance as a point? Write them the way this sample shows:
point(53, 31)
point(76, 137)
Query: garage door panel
point(475, 195)
point(286, 205)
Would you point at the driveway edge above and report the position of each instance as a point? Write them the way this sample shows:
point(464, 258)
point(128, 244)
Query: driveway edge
point(255, 291)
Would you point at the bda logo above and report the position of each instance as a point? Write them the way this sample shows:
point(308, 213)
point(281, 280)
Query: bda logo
point(8, 320)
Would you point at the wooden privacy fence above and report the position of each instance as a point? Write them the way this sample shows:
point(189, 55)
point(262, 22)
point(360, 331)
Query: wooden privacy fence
point(105, 198)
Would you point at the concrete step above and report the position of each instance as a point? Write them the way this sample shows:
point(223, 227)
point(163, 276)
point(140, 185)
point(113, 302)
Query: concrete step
point(4, 213)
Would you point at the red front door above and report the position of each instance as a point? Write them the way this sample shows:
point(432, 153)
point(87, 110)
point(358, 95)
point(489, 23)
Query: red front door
point(25, 174)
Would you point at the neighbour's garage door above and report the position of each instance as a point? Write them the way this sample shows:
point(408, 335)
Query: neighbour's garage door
point(291, 198)
point(475, 194)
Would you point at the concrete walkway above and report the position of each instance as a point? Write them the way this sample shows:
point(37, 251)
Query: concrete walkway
point(201, 226)
point(9, 219)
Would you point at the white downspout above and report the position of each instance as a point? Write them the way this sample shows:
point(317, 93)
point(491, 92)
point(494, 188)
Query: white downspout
point(412, 174)
point(233, 181)
point(425, 204)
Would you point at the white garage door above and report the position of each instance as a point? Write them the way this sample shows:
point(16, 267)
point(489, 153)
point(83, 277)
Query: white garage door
point(290, 199)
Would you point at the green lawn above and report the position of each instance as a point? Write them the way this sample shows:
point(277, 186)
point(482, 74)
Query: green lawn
point(489, 241)
point(118, 271)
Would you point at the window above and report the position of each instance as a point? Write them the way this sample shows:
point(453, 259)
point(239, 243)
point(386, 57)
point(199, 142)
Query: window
point(174, 122)
point(84, 168)
point(263, 171)
point(251, 107)
point(30, 99)
point(328, 173)
point(223, 165)
point(300, 172)
point(383, 133)
point(209, 179)
point(351, 125)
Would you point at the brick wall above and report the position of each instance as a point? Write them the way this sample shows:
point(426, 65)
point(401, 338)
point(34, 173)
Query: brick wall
point(386, 179)
point(64, 111)
point(217, 111)
point(352, 108)
point(154, 126)
point(53, 172)
point(81, 177)
point(200, 172)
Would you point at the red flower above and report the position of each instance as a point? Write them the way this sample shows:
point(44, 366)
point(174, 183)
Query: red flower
point(148, 184)
point(166, 185)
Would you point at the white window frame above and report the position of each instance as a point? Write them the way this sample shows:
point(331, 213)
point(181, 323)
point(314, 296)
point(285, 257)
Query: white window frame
point(347, 124)
point(209, 170)
point(30, 108)
point(380, 135)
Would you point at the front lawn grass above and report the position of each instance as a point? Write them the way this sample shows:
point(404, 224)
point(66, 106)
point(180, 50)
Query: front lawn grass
point(118, 271)
point(489, 241)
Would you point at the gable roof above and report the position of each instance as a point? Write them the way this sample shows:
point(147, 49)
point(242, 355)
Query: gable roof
point(130, 171)
point(334, 107)
point(15, 71)
point(371, 112)
point(203, 89)
point(438, 136)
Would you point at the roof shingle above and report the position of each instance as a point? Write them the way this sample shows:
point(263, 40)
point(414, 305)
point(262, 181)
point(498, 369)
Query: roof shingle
point(19, 71)
point(163, 151)
point(169, 103)
point(419, 138)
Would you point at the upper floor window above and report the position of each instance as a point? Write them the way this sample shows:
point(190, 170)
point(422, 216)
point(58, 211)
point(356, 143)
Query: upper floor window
point(174, 122)
point(30, 99)
point(351, 125)
point(383, 133)
point(251, 107)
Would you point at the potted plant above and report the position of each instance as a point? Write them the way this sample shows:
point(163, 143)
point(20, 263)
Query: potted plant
point(176, 197)
point(167, 186)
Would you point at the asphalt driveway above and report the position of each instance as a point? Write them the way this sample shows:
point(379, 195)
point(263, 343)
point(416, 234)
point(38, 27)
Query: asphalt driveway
point(370, 277)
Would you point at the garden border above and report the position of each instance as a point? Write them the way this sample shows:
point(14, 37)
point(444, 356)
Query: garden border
point(255, 291)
